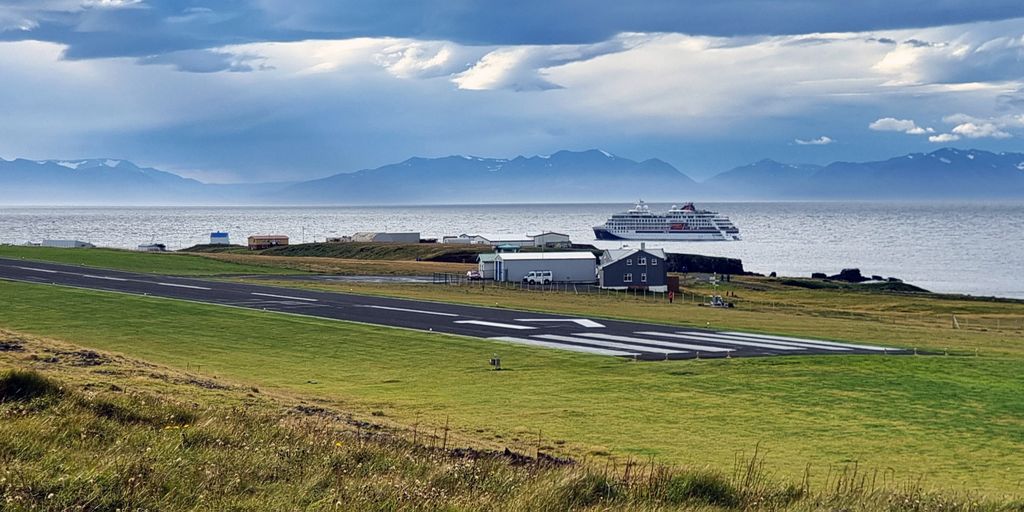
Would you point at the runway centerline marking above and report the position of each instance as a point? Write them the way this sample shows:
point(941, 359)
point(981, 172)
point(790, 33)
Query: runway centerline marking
point(288, 297)
point(48, 271)
point(562, 346)
point(176, 285)
point(630, 339)
point(494, 324)
point(407, 310)
point(108, 278)
point(583, 322)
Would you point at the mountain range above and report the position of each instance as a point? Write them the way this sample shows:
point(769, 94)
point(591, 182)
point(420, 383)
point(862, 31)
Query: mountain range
point(565, 176)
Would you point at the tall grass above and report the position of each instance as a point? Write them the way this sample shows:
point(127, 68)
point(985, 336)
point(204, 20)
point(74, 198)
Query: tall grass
point(113, 450)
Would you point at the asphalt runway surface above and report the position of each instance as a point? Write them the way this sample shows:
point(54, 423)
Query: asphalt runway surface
point(636, 340)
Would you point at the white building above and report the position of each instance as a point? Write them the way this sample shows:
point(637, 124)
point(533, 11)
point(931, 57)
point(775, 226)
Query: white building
point(551, 239)
point(494, 240)
point(67, 244)
point(485, 264)
point(566, 267)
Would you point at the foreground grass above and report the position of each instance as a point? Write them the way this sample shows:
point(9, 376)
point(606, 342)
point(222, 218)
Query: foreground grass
point(954, 422)
point(134, 261)
point(89, 430)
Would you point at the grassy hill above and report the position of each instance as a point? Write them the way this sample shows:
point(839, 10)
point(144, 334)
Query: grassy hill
point(81, 429)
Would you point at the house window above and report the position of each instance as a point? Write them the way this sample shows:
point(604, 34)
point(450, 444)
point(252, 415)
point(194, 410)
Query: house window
point(629, 262)
point(654, 262)
point(627, 278)
point(643, 261)
point(643, 277)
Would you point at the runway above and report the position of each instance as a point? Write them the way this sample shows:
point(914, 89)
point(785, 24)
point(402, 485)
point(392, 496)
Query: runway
point(635, 340)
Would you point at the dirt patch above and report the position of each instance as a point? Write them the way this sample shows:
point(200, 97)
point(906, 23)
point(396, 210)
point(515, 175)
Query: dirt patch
point(12, 345)
point(83, 357)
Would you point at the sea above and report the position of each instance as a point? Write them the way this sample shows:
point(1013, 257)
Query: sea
point(974, 248)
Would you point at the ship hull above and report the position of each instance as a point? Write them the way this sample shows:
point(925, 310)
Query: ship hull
point(605, 234)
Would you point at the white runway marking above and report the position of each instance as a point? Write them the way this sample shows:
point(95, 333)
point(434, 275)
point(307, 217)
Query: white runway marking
point(683, 346)
point(494, 324)
point(608, 344)
point(108, 278)
point(48, 271)
point(176, 285)
point(810, 342)
point(698, 337)
point(288, 297)
point(562, 346)
point(583, 322)
point(438, 313)
point(806, 346)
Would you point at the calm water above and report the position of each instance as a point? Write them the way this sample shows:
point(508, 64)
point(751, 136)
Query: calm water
point(975, 248)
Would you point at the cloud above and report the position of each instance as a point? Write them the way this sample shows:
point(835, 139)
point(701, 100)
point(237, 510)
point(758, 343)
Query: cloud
point(133, 28)
point(996, 127)
point(891, 124)
point(979, 131)
point(820, 141)
point(207, 61)
point(944, 137)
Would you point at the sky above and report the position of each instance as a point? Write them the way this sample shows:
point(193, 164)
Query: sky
point(278, 90)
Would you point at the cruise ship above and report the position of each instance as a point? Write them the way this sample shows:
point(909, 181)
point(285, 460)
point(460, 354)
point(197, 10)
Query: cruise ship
point(681, 223)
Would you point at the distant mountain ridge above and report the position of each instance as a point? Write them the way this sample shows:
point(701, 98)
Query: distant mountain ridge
point(565, 176)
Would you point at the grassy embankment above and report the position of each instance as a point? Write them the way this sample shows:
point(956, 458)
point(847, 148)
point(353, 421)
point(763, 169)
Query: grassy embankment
point(96, 431)
point(230, 262)
point(953, 421)
point(135, 261)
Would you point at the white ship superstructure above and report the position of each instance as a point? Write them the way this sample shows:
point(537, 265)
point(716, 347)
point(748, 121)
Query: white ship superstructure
point(680, 223)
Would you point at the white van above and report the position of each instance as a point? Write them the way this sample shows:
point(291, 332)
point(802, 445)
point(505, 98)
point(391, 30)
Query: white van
point(539, 277)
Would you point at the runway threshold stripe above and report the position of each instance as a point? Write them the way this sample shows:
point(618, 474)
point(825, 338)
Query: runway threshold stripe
point(48, 271)
point(407, 310)
point(812, 342)
point(288, 297)
point(660, 343)
point(563, 346)
point(495, 324)
point(108, 278)
point(731, 338)
point(607, 344)
point(176, 285)
point(728, 342)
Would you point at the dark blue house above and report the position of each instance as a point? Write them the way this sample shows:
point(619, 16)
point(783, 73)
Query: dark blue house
point(627, 268)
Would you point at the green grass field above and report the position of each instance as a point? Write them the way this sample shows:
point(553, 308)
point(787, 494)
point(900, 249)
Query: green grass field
point(133, 261)
point(955, 421)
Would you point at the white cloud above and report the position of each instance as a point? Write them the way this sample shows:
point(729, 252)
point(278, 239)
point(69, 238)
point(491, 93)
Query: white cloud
point(820, 141)
point(943, 137)
point(979, 131)
point(891, 124)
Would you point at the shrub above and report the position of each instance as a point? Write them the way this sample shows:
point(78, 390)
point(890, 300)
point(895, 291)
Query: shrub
point(25, 385)
point(701, 487)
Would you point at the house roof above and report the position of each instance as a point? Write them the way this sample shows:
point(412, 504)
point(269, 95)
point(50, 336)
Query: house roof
point(614, 255)
point(549, 233)
point(527, 256)
point(487, 257)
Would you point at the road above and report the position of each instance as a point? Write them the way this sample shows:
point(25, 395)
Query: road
point(637, 340)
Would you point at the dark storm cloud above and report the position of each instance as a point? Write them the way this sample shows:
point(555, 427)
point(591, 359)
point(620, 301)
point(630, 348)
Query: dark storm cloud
point(111, 28)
